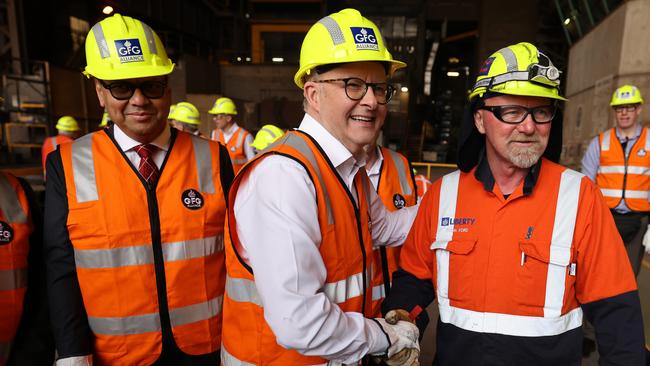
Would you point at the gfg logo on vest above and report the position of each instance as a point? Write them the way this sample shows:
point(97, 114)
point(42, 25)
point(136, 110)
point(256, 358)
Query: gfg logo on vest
point(6, 233)
point(399, 201)
point(129, 50)
point(446, 221)
point(365, 38)
point(192, 199)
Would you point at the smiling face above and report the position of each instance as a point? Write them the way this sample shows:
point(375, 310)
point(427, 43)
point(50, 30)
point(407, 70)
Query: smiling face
point(520, 145)
point(355, 123)
point(141, 118)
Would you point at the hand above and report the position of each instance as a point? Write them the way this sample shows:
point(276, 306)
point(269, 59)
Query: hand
point(403, 336)
point(646, 240)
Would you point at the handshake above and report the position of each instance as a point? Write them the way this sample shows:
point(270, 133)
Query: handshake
point(404, 348)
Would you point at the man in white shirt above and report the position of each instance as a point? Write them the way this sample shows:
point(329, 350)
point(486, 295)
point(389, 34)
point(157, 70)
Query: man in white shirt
point(228, 133)
point(303, 218)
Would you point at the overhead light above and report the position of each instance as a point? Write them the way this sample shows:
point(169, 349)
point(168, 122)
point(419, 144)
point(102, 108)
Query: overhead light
point(567, 21)
point(404, 89)
point(248, 59)
point(238, 58)
point(107, 10)
point(453, 74)
point(277, 59)
point(454, 60)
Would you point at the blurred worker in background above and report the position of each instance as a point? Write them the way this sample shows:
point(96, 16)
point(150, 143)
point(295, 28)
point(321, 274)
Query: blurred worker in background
point(514, 246)
point(390, 174)
point(67, 129)
point(422, 184)
point(185, 117)
point(618, 160)
point(267, 135)
point(227, 132)
point(300, 216)
point(134, 248)
point(25, 333)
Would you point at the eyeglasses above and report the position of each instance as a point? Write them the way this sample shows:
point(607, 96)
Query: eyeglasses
point(515, 114)
point(625, 108)
point(356, 89)
point(123, 90)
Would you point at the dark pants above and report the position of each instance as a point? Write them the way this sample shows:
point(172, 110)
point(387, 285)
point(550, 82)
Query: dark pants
point(632, 226)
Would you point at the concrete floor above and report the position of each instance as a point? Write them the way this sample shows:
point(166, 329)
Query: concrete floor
point(428, 342)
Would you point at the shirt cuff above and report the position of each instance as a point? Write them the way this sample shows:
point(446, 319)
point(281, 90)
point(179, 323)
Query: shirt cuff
point(75, 361)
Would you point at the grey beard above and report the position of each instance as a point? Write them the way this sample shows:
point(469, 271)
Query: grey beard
point(524, 158)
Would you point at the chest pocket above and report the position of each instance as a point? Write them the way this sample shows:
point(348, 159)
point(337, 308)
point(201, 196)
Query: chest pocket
point(542, 263)
point(455, 263)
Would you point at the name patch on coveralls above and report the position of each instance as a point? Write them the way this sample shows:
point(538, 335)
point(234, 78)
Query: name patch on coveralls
point(365, 38)
point(129, 50)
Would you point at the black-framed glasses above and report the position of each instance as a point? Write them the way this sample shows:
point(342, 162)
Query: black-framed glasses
point(356, 89)
point(515, 114)
point(123, 90)
point(629, 108)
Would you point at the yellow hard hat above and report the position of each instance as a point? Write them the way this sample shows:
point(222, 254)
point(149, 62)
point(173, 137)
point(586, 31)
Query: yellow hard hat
point(519, 69)
point(627, 94)
point(185, 112)
point(342, 37)
point(121, 47)
point(171, 111)
point(105, 119)
point(223, 105)
point(67, 124)
point(266, 136)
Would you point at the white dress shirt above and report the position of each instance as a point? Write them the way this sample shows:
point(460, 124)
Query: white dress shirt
point(248, 149)
point(127, 145)
point(374, 171)
point(277, 223)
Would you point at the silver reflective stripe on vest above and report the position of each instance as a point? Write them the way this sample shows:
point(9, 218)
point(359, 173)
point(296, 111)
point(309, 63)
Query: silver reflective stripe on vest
point(240, 138)
point(333, 29)
point(618, 193)
point(151, 41)
point(444, 234)
point(13, 279)
point(102, 46)
point(5, 349)
point(54, 143)
point(239, 161)
point(229, 360)
point(136, 324)
point(647, 140)
point(561, 241)
point(300, 145)
point(242, 290)
point(196, 313)
point(83, 169)
point(197, 248)
point(10, 203)
point(378, 292)
point(511, 59)
point(341, 291)
point(203, 157)
point(401, 172)
point(604, 145)
point(620, 169)
point(143, 254)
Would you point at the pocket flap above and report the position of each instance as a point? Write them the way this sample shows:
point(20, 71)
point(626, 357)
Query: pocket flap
point(455, 246)
point(543, 251)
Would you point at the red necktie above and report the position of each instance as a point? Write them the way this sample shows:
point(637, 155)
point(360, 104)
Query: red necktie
point(148, 168)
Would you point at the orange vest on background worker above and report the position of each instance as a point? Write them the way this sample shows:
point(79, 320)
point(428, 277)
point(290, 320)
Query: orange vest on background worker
point(396, 190)
point(50, 145)
point(423, 184)
point(15, 229)
point(624, 179)
point(529, 290)
point(114, 235)
point(346, 243)
point(235, 146)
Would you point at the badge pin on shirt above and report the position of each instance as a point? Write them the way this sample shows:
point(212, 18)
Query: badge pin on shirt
point(641, 152)
point(529, 234)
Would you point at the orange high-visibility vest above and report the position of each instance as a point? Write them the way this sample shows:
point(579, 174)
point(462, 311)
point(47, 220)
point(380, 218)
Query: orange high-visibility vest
point(624, 179)
point(396, 190)
point(346, 243)
point(120, 231)
point(15, 229)
point(235, 146)
point(423, 184)
point(50, 145)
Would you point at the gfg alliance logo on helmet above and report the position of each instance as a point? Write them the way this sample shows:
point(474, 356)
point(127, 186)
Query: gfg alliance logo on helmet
point(129, 50)
point(192, 199)
point(6, 233)
point(365, 38)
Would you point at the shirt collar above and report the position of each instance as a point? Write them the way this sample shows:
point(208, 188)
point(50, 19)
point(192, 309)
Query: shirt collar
point(375, 168)
point(126, 143)
point(483, 174)
point(338, 154)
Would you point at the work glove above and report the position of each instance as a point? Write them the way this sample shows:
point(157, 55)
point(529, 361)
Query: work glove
point(646, 240)
point(404, 349)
